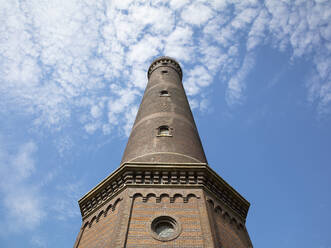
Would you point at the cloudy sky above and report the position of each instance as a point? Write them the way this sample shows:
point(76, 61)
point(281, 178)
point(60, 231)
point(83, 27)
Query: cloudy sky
point(258, 77)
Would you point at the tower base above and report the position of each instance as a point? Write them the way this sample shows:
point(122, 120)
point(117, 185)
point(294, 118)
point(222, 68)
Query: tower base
point(177, 205)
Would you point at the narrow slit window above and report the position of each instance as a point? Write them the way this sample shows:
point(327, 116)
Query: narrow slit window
point(164, 93)
point(164, 131)
point(164, 72)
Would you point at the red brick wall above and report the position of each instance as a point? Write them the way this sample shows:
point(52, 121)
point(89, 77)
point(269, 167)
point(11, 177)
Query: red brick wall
point(99, 234)
point(230, 234)
point(128, 219)
point(187, 213)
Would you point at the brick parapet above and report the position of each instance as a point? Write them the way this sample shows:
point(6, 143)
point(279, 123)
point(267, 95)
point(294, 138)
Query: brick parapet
point(165, 62)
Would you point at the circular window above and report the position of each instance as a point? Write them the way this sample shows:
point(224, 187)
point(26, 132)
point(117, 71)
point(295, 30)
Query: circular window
point(165, 228)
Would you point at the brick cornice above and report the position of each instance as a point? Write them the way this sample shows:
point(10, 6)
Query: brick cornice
point(163, 175)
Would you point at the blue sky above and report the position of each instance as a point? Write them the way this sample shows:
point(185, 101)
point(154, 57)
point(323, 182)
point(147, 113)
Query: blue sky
point(258, 77)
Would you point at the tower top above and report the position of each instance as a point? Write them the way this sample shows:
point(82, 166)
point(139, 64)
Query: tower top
point(165, 61)
point(164, 130)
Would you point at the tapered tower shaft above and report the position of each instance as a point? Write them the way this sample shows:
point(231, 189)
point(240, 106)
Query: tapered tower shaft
point(164, 129)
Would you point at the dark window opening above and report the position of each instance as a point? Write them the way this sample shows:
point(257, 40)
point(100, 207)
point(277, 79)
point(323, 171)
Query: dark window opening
point(164, 63)
point(164, 72)
point(164, 131)
point(164, 93)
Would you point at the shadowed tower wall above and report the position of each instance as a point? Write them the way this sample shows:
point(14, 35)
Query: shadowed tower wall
point(164, 104)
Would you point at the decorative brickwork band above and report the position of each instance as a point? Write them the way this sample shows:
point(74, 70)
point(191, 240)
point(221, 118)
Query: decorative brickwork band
point(164, 176)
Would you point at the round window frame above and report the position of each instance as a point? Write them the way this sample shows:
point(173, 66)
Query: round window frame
point(164, 218)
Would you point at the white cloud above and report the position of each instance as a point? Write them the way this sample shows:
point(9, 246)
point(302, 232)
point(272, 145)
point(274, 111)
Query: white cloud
point(160, 19)
point(319, 90)
point(130, 116)
point(90, 128)
point(211, 58)
point(177, 4)
point(54, 55)
point(219, 4)
point(193, 103)
point(197, 78)
point(138, 77)
point(22, 200)
point(301, 26)
point(204, 105)
point(213, 29)
point(96, 111)
point(236, 84)
point(65, 203)
point(121, 105)
point(24, 206)
point(244, 18)
point(179, 43)
point(143, 51)
point(121, 4)
point(38, 241)
point(196, 14)
point(257, 34)
point(27, 196)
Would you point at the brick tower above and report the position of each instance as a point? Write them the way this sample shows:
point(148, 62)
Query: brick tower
point(164, 194)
